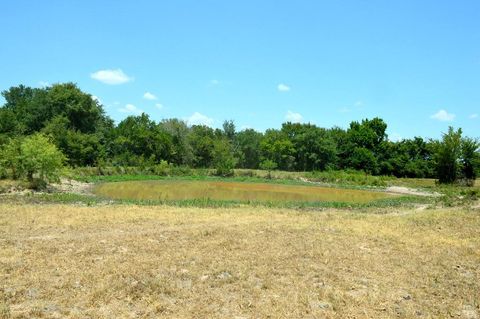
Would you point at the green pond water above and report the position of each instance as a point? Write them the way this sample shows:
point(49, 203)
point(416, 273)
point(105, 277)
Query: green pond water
point(238, 191)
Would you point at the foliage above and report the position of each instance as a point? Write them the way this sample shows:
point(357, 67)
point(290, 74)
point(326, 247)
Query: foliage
point(34, 158)
point(448, 154)
point(269, 166)
point(77, 125)
point(223, 159)
point(470, 158)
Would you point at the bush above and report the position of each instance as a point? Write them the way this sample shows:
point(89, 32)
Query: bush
point(34, 158)
point(269, 166)
point(162, 169)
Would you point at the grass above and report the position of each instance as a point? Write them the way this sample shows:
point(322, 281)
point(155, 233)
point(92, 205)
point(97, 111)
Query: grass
point(231, 190)
point(89, 200)
point(125, 261)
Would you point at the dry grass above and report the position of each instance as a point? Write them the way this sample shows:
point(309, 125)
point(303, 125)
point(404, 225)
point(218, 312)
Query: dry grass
point(149, 262)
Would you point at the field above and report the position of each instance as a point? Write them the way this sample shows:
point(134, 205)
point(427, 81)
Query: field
point(232, 191)
point(127, 261)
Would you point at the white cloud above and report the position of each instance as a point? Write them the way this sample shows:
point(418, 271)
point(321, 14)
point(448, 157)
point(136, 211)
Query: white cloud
point(293, 117)
point(130, 108)
point(214, 82)
point(283, 87)
point(443, 116)
point(199, 119)
point(149, 96)
point(344, 110)
point(159, 106)
point(43, 84)
point(473, 116)
point(111, 77)
point(96, 98)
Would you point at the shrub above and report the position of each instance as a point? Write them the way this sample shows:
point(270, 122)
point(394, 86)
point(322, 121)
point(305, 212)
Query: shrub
point(34, 158)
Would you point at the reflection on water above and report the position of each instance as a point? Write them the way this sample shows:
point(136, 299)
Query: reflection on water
point(219, 190)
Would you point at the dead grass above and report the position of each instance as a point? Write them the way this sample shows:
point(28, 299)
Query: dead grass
point(148, 262)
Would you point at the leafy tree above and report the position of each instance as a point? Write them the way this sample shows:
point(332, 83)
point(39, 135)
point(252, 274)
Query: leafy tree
point(201, 140)
point(248, 151)
point(34, 158)
point(277, 147)
point(81, 149)
point(314, 147)
point(363, 159)
point(470, 159)
point(141, 140)
point(223, 159)
point(448, 154)
point(10, 159)
point(41, 158)
point(229, 130)
point(269, 166)
point(181, 152)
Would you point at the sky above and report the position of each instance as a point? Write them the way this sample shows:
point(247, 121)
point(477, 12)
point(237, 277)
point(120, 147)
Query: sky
point(415, 64)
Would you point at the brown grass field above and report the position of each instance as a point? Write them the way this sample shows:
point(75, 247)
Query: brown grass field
point(66, 261)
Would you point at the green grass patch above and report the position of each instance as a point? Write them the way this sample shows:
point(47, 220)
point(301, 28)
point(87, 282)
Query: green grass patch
point(78, 199)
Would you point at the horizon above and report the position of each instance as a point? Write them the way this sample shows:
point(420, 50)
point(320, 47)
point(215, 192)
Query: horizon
point(414, 65)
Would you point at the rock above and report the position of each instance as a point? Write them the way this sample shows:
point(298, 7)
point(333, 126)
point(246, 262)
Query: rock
point(224, 275)
point(320, 305)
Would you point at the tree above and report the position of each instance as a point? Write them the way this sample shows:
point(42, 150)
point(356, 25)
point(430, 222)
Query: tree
point(363, 145)
point(448, 155)
point(277, 147)
point(34, 158)
point(201, 140)
point(181, 152)
point(248, 152)
point(223, 159)
point(314, 147)
point(229, 130)
point(269, 166)
point(363, 159)
point(41, 159)
point(10, 158)
point(470, 159)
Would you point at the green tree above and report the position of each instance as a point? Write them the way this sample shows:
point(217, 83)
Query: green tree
point(448, 155)
point(269, 166)
point(201, 139)
point(277, 147)
point(34, 158)
point(223, 159)
point(248, 151)
point(470, 159)
point(10, 159)
point(181, 152)
point(41, 159)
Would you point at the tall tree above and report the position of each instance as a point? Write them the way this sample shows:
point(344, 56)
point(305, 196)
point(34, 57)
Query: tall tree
point(448, 154)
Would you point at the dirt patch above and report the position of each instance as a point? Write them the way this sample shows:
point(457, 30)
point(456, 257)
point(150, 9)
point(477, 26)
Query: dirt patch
point(410, 191)
point(71, 186)
point(65, 186)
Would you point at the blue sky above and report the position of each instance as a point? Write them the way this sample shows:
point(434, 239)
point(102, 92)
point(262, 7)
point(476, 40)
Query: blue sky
point(416, 64)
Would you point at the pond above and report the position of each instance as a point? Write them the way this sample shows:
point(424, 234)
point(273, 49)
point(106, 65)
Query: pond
point(236, 191)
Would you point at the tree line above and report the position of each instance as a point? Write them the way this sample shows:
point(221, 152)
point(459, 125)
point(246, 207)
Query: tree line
point(77, 125)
